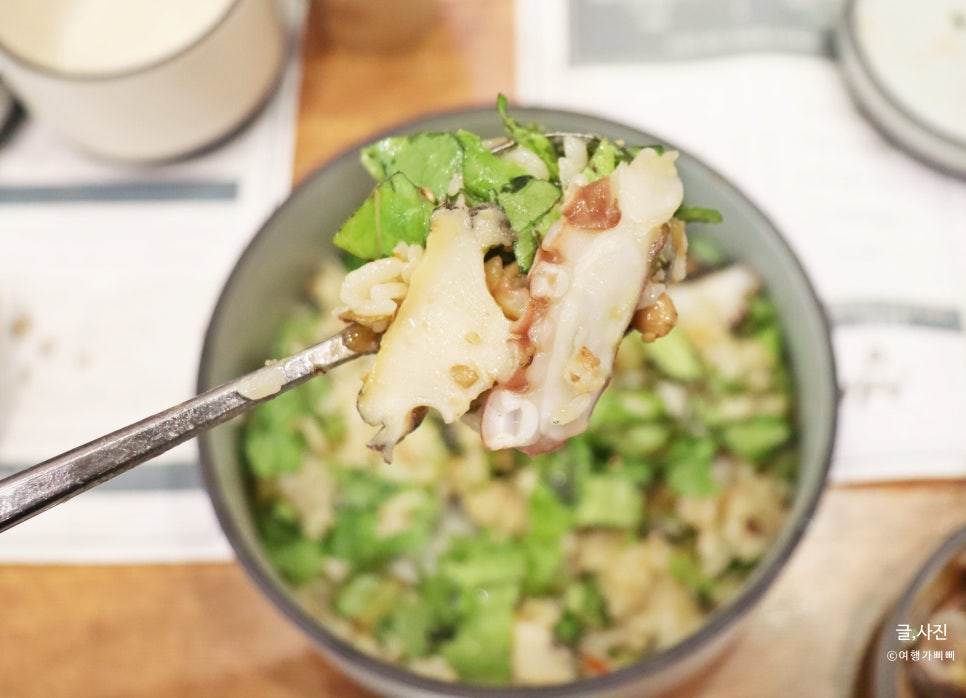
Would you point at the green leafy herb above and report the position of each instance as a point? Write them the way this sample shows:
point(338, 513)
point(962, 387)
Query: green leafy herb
point(484, 174)
point(697, 214)
point(396, 211)
point(530, 137)
point(429, 160)
point(526, 201)
point(605, 159)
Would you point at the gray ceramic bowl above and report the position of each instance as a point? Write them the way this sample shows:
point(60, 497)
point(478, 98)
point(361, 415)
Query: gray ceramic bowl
point(940, 582)
point(272, 274)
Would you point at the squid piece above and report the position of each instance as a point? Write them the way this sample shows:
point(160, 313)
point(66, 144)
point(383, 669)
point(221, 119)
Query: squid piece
point(717, 300)
point(594, 270)
point(449, 340)
point(710, 307)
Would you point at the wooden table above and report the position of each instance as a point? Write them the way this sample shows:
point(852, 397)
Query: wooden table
point(203, 629)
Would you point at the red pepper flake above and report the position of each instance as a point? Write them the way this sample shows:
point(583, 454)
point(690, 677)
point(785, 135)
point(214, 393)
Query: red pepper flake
point(595, 666)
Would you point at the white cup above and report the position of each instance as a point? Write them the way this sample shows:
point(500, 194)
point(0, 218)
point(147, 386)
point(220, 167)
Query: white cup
point(141, 80)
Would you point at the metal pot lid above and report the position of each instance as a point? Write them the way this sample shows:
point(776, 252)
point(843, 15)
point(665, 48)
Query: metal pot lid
point(905, 64)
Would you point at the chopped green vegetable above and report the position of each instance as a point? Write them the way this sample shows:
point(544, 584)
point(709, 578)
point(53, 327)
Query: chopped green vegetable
point(528, 240)
point(770, 337)
point(298, 561)
point(409, 626)
point(703, 251)
point(526, 201)
point(531, 137)
point(297, 333)
point(396, 211)
point(422, 573)
point(633, 443)
point(296, 558)
point(783, 464)
point(525, 249)
point(584, 608)
point(366, 599)
point(273, 444)
point(549, 521)
point(625, 422)
point(611, 500)
point(484, 174)
point(761, 314)
point(350, 261)
point(584, 600)
point(480, 649)
point(356, 535)
point(568, 630)
point(565, 470)
point(675, 356)
point(481, 563)
point(362, 490)
point(757, 437)
point(697, 214)
point(689, 467)
point(429, 160)
point(686, 568)
point(445, 604)
point(604, 160)
point(643, 440)
point(273, 451)
point(626, 407)
point(549, 518)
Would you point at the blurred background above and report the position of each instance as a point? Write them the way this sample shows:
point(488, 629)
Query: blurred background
point(142, 148)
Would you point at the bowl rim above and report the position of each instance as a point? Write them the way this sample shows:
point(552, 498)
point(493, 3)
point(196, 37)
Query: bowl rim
point(713, 627)
point(901, 126)
point(885, 671)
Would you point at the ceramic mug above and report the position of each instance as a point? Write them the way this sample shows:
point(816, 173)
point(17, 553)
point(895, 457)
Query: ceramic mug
point(141, 80)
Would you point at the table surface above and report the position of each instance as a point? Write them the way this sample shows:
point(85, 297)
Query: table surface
point(204, 630)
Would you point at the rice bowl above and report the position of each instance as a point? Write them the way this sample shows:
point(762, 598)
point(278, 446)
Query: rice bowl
point(273, 274)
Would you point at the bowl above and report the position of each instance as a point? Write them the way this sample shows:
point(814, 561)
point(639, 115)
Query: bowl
point(885, 51)
point(271, 276)
point(929, 615)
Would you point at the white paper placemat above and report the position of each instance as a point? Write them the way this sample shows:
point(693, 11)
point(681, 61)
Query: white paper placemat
point(108, 276)
point(751, 88)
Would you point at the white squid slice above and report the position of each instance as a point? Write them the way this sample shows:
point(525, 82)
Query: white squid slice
point(585, 284)
point(449, 340)
point(719, 299)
